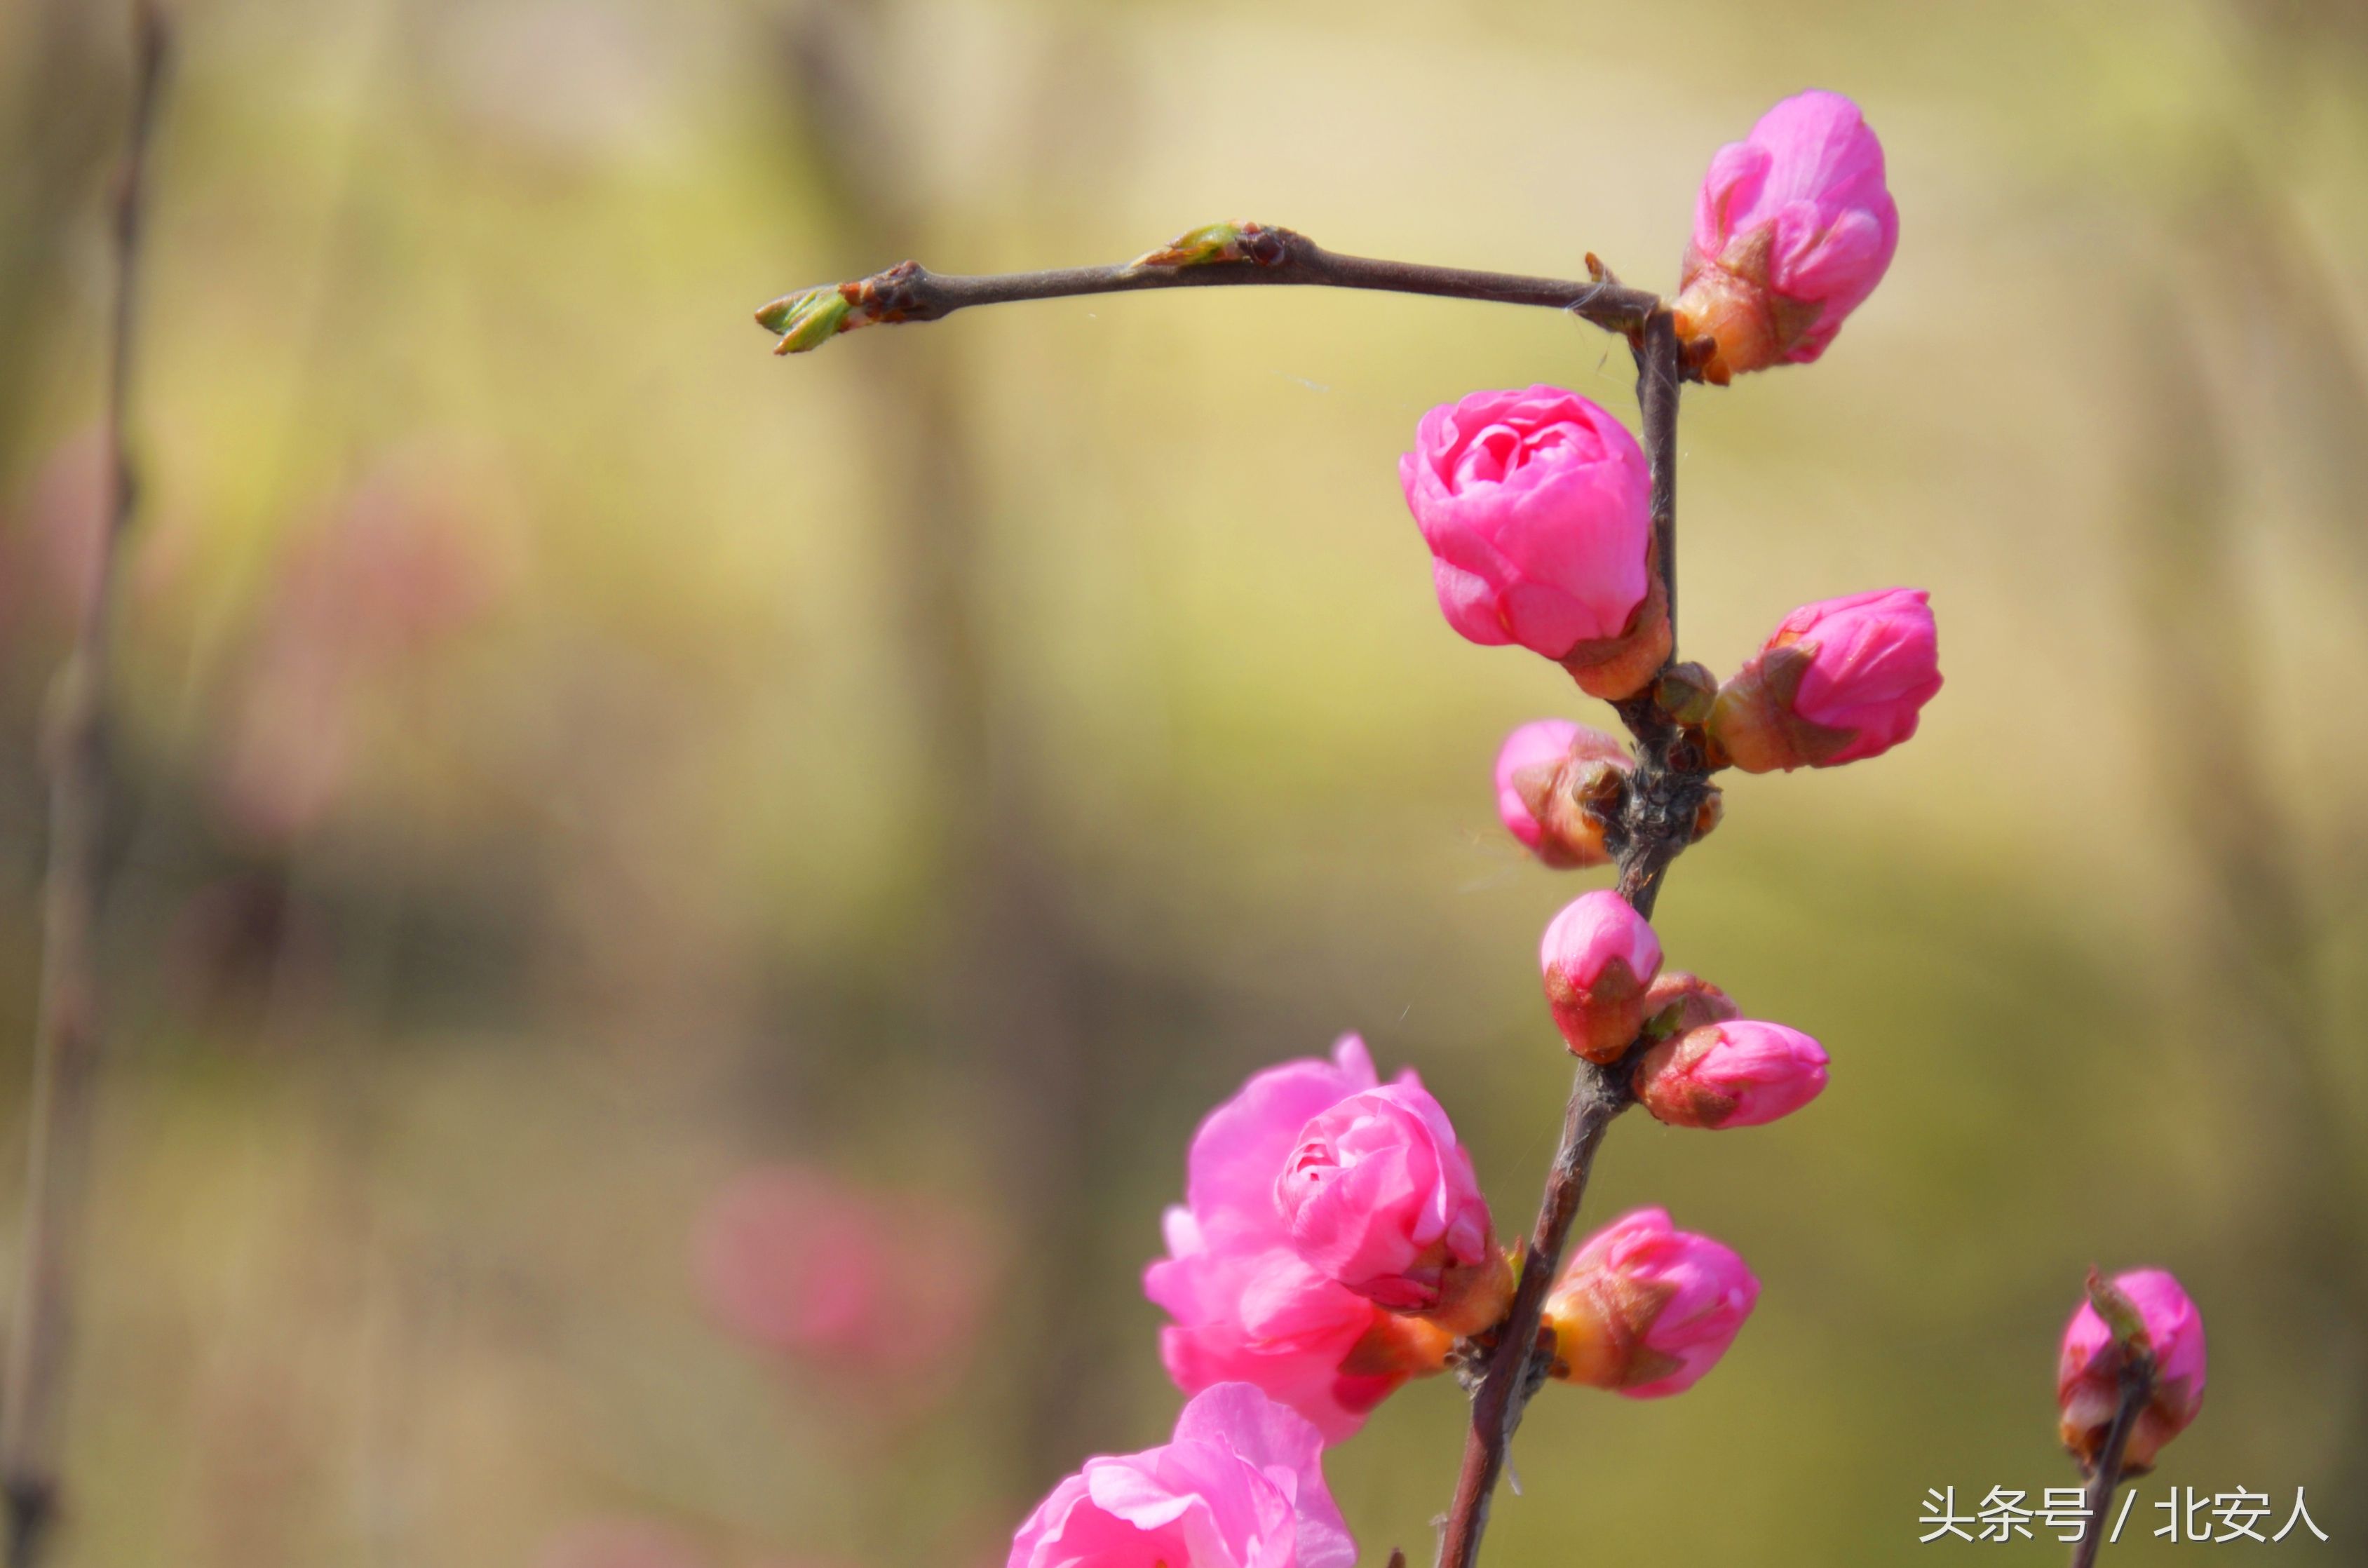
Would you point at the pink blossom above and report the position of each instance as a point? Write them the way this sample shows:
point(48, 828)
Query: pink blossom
point(1247, 1306)
point(1838, 680)
point(1547, 772)
point(2088, 1370)
point(1239, 1485)
point(1732, 1073)
point(1379, 1196)
point(1599, 955)
point(1536, 506)
point(802, 1263)
point(1792, 229)
point(1646, 1309)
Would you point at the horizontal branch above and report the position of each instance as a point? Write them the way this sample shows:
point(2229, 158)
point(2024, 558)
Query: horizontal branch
point(1223, 255)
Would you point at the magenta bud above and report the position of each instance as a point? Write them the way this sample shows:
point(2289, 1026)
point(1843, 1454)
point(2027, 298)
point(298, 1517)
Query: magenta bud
point(2157, 1320)
point(1646, 1309)
point(1792, 229)
point(1735, 1074)
point(1554, 780)
point(1599, 956)
point(1838, 680)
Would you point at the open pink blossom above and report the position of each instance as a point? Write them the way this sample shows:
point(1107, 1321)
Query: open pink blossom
point(1737, 1073)
point(1248, 1307)
point(1239, 1485)
point(1792, 229)
point(1837, 680)
point(1549, 774)
point(1599, 955)
point(1646, 1309)
point(2088, 1370)
point(1379, 1196)
point(1536, 506)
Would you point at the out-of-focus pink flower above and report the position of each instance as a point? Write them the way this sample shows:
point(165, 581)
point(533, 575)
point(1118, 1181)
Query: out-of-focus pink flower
point(404, 564)
point(1646, 1309)
point(800, 1264)
point(1792, 229)
point(1239, 1485)
point(1536, 506)
point(1550, 775)
point(618, 1543)
point(1599, 955)
point(1838, 680)
point(2088, 1368)
point(1735, 1074)
point(1379, 1196)
point(1248, 1307)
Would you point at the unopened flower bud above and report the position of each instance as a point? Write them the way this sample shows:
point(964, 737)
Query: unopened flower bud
point(1599, 956)
point(1677, 1001)
point(1685, 692)
point(1553, 781)
point(1735, 1074)
point(1241, 240)
point(1838, 680)
point(1792, 229)
point(2146, 1315)
point(1646, 1309)
point(805, 319)
point(1536, 506)
point(1380, 1197)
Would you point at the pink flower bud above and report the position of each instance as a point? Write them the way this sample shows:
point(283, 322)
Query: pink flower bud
point(1378, 1197)
point(1247, 1306)
point(1239, 1485)
point(1677, 1001)
point(1646, 1309)
point(2088, 1370)
point(1737, 1074)
point(1792, 229)
point(1536, 507)
point(1840, 679)
point(1599, 956)
point(1552, 778)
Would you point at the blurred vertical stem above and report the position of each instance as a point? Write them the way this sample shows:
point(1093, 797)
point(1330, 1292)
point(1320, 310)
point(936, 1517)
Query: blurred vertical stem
point(1657, 820)
point(1017, 982)
point(66, 1039)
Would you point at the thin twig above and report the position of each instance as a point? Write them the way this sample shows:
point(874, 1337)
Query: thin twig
point(66, 1039)
point(2137, 1387)
point(1248, 253)
point(1658, 821)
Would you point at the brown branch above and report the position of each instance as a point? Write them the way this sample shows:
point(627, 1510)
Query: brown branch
point(2137, 1387)
point(66, 1038)
point(1657, 819)
point(1217, 256)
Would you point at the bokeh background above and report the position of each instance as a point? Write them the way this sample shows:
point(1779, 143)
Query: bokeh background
point(598, 802)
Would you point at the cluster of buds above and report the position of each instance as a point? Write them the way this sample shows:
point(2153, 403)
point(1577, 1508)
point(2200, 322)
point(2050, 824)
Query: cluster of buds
point(1691, 1058)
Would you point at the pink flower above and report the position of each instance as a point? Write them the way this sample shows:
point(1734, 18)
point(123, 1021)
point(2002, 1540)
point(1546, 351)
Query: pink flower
point(802, 1263)
point(1239, 1485)
point(1536, 507)
point(2088, 1369)
point(1248, 1307)
point(1838, 680)
point(1646, 1309)
point(1599, 955)
point(1550, 775)
point(1379, 1196)
point(1792, 229)
point(1733, 1073)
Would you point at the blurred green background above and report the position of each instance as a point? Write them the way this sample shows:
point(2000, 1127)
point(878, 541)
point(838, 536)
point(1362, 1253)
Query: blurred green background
point(572, 757)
